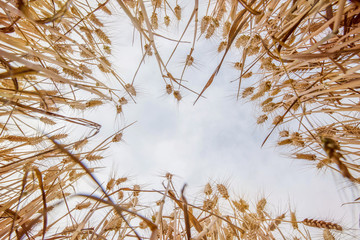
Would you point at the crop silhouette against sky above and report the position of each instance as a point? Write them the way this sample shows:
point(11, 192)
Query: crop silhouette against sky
point(98, 99)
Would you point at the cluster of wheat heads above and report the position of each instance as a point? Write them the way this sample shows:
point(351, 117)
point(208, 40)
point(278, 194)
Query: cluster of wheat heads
point(308, 55)
point(299, 61)
point(51, 54)
point(303, 58)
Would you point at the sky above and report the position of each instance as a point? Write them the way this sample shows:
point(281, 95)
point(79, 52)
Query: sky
point(216, 140)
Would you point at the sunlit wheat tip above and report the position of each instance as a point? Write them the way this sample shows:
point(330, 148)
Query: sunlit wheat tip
point(103, 68)
point(204, 23)
point(261, 204)
point(256, 40)
point(90, 39)
point(210, 31)
point(167, 20)
point(140, 17)
point(117, 137)
point(261, 119)
point(123, 101)
point(169, 176)
point(321, 224)
point(248, 75)
point(269, 107)
point(72, 73)
point(177, 95)
point(153, 217)
point(70, 229)
point(95, 20)
point(310, 157)
point(265, 86)
point(284, 133)
point(221, 11)
point(72, 175)
point(297, 139)
point(35, 140)
point(279, 219)
point(250, 222)
point(278, 119)
point(252, 50)
point(83, 205)
point(156, 3)
point(293, 220)
point(92, 157)
point(241, 205)
point(136, 189)
point(107, 49)
point(247, 92)
point(238, 65)
point(209, 204)
point(94, 103)
point(80, 144)
point(222, 46)
point(257, 95)
point(114, 224)
point(77, 105)
point(100, 33)
point(119, 109)
point(222, 189)
point(216, 22)
point(272, 226)
point(47, 120)
point(130, 89)
point(148, 50)
point(75, 11)
point(154, 21)
point(106, 10)
point(226, 28)
point(105, 60)
point(169, 89)
point(268, 65)
point(110, 184)
point(85, 29)
point(13, 138)
point(189, 60)
point(266, 101)
point(121, 180)
point(86, 52)
point(85, 69)
point(287, 96)
point(242, 41)
point(177, 11)
point(53, 69)
point(285, 142)
point(208, 189)
point(275, 92)
point(63, 48)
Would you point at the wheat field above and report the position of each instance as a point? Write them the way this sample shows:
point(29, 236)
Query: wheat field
point(56, 65)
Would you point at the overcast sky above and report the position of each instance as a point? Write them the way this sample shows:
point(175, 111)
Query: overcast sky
point(217, 139)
